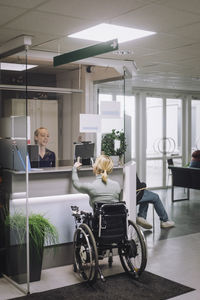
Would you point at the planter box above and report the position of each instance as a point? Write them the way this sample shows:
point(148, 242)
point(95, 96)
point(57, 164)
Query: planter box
point(17, 264)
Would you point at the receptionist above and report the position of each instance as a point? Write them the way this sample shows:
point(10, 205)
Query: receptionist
point(47, 157)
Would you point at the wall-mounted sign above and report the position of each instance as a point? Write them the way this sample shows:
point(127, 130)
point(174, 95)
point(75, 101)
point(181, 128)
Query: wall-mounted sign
point(90, 123)
point(110, 110)
point(90, 51)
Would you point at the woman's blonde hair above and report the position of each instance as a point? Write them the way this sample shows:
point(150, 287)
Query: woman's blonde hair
point(103, 165)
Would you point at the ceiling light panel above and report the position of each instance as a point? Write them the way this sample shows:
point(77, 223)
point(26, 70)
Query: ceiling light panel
point(16, 67)
point(105, 32)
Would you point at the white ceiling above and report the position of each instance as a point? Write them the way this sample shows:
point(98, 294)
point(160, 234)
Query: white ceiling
point(173, 52)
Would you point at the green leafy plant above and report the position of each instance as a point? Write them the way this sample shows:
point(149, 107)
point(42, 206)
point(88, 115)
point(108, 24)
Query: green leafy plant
point(108, 143)
point(41, 231)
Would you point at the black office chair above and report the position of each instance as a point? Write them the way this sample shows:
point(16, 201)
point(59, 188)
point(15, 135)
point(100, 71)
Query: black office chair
point(170, 162)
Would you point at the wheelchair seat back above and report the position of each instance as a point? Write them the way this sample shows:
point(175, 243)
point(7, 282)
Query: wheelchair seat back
point(110, 223)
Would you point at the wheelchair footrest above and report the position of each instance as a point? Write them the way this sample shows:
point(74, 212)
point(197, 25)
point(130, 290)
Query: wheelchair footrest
point(101, 275)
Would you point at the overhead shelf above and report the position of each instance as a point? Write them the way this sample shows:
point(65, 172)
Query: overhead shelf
point(46, 89)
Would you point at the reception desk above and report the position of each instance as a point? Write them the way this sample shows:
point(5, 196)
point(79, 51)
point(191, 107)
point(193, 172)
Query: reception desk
point(51, 181)
point(50, 193)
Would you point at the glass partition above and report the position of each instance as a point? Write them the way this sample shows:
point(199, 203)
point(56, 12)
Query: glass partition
point(122, 103)
point(114, 109)
point(111, 122)
point(35, 166)
point(14, 134)
point(55, 101)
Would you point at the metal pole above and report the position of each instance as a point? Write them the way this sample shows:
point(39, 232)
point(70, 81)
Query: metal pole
point(27, 187)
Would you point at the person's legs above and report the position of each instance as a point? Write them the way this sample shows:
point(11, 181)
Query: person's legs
point(143, 208)
point(150, 197)
point(142, 214)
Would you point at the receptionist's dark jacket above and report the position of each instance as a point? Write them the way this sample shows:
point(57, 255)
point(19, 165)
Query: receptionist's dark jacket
point(49, 159)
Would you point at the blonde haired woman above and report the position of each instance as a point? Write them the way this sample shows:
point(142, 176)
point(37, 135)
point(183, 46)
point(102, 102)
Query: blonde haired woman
point(102, 189)
point(47, 157)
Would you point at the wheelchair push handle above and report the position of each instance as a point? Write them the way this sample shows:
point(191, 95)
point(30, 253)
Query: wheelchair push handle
point(77, 213)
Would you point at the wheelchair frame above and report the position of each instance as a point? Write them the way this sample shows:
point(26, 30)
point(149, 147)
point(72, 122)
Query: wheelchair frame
point(102, 231)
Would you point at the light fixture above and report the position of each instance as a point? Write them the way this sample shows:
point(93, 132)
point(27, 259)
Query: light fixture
point(15, 45)
point(105, 32)
point(15, 67)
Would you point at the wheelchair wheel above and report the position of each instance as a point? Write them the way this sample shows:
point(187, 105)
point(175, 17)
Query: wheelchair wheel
point(133, 255)
point(85, 253)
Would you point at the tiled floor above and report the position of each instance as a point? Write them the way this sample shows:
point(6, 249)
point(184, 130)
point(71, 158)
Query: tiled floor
point(172, 253)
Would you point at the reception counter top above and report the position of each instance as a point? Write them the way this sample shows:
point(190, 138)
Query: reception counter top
point(50, 181)
point(56, 170)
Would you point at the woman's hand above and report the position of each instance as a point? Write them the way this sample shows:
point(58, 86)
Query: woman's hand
point(77, 165)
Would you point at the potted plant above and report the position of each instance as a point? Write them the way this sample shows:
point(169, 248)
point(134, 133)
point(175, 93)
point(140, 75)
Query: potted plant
point(114, 144)
point(41, 232)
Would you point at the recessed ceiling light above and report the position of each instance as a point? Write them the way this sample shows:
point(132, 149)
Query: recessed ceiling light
point(106, 32)
point(123, 52)
point(16, 67)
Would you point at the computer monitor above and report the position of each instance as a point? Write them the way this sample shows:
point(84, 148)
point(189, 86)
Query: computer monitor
point(33, 152)
point(85, 151)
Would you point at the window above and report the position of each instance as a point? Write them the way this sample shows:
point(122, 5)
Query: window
point(154, 126)
point(174, 126)
point(195, 124)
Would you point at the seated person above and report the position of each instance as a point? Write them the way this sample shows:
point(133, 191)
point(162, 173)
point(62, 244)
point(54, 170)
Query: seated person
point(144, 197)
point(47, 158)
point(195, 162)
point(102, 189)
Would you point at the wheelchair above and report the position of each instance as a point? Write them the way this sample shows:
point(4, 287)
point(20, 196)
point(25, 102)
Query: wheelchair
point(96, 236)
